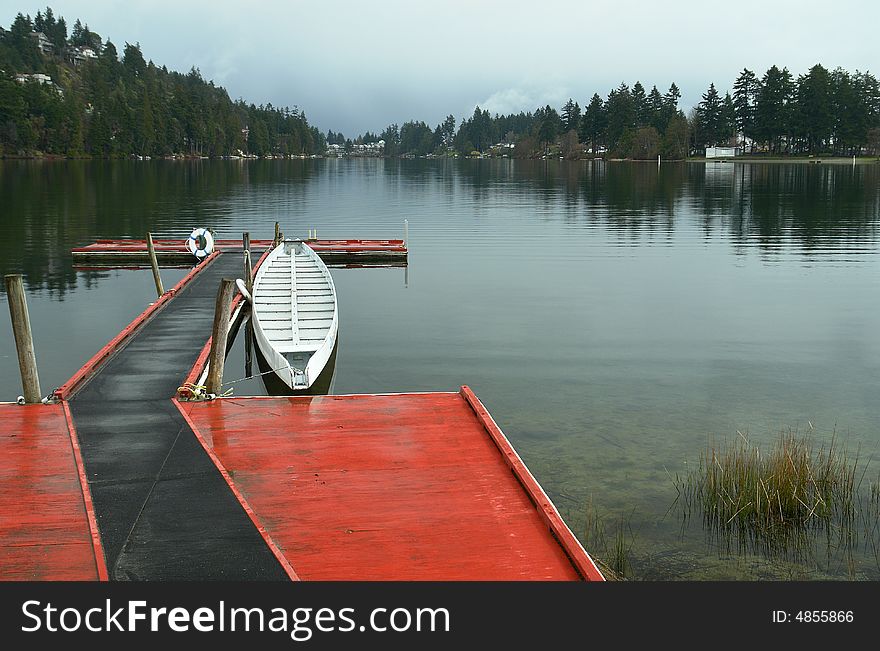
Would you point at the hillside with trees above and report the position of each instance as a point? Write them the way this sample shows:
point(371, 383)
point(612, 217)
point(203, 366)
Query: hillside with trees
point(74, 94)
point(821, 112)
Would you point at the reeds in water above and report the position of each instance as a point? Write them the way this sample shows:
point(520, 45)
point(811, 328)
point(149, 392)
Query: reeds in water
point(776, 501)
point(610, 550)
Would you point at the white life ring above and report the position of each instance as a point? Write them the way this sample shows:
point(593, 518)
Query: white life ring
point(200, 243)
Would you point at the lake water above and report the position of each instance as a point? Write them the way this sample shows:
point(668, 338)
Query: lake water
point(615, 318)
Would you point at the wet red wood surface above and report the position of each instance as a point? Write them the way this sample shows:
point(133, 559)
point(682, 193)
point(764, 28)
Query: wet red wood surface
point(44, 523)
point(393, 487)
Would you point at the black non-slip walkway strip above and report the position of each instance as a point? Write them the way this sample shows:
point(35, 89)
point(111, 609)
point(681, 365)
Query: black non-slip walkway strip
point(163, 509)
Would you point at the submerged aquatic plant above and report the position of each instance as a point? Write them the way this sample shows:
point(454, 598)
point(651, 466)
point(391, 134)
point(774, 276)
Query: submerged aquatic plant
point(613, 553)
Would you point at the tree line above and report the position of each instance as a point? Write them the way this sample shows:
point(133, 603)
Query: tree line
point(821, 112)
point(107, 105)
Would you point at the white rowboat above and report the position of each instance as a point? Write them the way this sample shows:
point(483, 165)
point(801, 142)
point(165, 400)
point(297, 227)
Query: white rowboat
point(294, 313)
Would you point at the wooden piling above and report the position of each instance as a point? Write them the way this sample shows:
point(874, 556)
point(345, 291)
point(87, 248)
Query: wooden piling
point(248, 267)
point(248, 273)
point(219, 333)
point(24, 342)
point(277, 233)
point(406, 232)
point(154, 263)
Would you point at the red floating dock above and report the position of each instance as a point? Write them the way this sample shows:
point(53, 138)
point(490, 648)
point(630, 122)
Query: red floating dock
point(388, 487)
point(361, 487)
point(175, 252)
point(47, 528)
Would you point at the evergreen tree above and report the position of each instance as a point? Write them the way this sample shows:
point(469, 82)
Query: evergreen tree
point(814, 114)
point(728, 120)
point(640, 104)
point(710, 119)
point(594, 123)
point(391, 136)
point(670, 103)
point(571, 115)
point(549, 125)
point(773, 108)
point(133, 60)
point(447, 131)
point(621, 115)
point(745, 91)
point(655, 113)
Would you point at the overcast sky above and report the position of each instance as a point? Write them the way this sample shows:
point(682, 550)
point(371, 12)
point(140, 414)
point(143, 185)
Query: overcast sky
point(355, 65)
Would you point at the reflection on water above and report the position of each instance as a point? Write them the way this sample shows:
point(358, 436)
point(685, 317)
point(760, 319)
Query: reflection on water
point(612, 316)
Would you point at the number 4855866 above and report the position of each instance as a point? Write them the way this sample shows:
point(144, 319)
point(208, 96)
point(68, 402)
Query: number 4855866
point(807, 616)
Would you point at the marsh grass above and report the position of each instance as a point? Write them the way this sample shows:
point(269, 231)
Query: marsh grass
point(784, 501)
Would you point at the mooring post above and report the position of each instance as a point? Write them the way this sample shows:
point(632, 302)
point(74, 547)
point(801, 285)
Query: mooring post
point(24, 341)
point(405, 232)
point(248, 272)
point(248, 268)
point(277, 234)
point(219, 335)
point(154, 263)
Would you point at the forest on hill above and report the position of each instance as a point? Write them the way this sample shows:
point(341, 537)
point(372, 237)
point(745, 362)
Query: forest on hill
point(73, 94)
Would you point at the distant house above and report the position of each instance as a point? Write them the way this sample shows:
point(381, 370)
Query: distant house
point(38, 77)
point(43, 42)
point(79, 55)
point(722, 152)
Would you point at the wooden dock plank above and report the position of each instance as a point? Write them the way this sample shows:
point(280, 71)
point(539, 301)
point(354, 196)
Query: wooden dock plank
point(45, 533)
point(394, 487)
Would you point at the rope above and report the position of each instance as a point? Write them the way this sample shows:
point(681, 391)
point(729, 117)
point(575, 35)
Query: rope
point(251, 377)
point(194, 392)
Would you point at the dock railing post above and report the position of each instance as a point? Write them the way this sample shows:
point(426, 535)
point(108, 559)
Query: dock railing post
point(277, 239)
point(219, 334)
point(405, 232)
point(154, 263)
point(248, 268)
point(24, 342)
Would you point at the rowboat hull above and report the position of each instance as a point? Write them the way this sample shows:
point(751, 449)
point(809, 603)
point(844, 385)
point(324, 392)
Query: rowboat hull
point(295, 315)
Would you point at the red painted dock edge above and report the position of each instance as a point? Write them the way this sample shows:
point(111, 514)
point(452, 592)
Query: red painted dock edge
point(68, 388)
point(47, 526)
point(160, 245)
point(179, 246)
point(387, 487)
point(578, 555)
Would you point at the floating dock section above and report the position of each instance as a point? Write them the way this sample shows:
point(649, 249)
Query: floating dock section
point(388, 487)
point(119, 479)
point(47, 525)
point(128, 253)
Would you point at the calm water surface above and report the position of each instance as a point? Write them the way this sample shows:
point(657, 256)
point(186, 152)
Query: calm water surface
point(615, 318)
